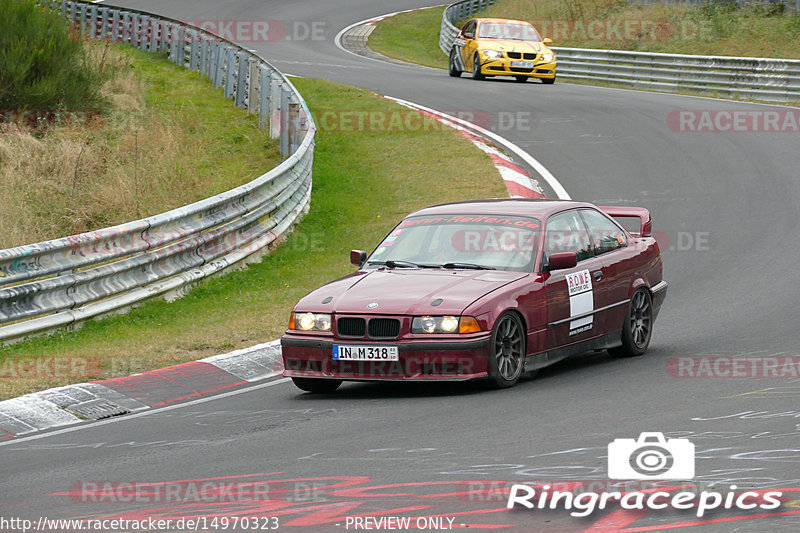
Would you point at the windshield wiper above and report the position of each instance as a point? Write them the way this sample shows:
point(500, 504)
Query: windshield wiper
point(391, 263)
point(471, 266)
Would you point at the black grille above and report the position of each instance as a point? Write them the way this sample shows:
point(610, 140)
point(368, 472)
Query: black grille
point(520, 69)
point(384, 328)
point(351, 327)
point(518, 55)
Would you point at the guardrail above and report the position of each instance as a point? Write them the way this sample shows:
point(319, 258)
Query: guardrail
point(51, 285)
point(772, 80)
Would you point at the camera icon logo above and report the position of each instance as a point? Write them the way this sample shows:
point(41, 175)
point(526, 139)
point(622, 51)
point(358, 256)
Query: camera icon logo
point(651, 456)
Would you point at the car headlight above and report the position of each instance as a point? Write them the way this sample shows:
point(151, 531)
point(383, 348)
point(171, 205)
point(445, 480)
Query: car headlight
point(492, 53)
point(310, 321)
point(548, 57)
point(444, 324)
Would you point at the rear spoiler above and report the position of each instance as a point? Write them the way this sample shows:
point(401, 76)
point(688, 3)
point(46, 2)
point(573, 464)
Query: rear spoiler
point(639, 212)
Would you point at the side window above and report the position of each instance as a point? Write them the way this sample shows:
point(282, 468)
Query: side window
point(567, 233)
point(469, 30)
point(606, 236)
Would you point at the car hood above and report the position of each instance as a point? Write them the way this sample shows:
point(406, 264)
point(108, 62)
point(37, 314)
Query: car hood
point(405, 292)
point(512, 45)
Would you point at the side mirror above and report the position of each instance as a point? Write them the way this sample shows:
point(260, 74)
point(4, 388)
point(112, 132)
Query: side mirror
point(562, 260)
point(357, 257)
point(547, 40)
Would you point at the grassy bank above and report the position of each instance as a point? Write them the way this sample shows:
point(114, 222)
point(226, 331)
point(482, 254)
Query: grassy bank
point(366, 176)
point(167, 139)
point(412, 37)
point(715, 29)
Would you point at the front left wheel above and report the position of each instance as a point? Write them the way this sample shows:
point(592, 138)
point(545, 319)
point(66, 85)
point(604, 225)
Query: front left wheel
point(453, 70)
point(506, 351)
point(318, 386)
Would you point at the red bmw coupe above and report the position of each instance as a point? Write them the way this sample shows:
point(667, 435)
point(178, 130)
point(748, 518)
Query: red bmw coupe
point(485, 289)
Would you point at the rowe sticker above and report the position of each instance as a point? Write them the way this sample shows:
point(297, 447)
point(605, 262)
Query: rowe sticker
point(581, 300)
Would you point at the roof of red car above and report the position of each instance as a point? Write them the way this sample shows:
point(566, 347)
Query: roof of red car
point(503, 206)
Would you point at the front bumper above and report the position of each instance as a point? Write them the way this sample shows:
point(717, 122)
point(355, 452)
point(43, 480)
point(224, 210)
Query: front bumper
point(502, 67)
point(419, 360)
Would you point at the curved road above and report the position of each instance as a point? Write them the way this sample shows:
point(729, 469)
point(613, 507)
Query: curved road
point(727, 202)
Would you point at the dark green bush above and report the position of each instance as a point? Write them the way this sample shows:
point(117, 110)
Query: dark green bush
point(42, 64)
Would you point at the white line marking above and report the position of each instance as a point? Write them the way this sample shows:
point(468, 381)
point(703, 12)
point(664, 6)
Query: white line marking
point(145, 413)
point(525, 156)
point(338, 39)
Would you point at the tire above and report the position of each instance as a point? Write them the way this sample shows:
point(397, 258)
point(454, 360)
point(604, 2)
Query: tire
point(549, 81)
point(317, 386)
point(638, 327)
point(453, 70)
point(476, 68)
point(506, 351)
point(521, 79)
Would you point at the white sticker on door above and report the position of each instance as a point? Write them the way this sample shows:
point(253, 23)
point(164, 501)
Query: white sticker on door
point(581, 300)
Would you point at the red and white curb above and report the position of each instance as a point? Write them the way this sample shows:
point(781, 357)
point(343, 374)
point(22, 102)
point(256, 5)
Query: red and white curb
point(71, 404)
point(519, 182)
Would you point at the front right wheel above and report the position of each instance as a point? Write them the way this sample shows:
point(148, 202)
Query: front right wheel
point(506, 351)
point(476, 68)
point(638, 326)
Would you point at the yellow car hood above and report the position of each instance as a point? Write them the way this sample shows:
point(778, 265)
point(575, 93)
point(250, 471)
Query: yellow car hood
point(512, 45)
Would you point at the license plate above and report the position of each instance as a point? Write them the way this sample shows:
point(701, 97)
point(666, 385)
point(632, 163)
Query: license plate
point(354, 352)
point(523, 64)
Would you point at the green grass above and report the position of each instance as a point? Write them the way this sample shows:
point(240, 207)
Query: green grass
point(365, 180)
point(412, 37)
point(167, 140)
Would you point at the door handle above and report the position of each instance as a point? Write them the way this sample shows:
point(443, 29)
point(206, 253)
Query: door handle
point(597, 275)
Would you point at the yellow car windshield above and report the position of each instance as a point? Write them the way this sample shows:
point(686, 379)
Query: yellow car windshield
point(505, 30)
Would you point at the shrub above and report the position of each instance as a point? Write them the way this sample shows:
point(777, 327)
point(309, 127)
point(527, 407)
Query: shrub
point(42, 63)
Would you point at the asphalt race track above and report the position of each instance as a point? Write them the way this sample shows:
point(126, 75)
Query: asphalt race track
point(726, 202)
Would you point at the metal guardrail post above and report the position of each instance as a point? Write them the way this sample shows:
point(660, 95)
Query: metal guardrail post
point(253, 85)
point(241, 80)
point(195, 57)
point(275, 123)
point(104, 20)
point(83, 20)
point(265, 86)
point(219, 58)
point(92, 26)
point(155, 26)
point(284, 134)
point(127, 28)
point(230, 71)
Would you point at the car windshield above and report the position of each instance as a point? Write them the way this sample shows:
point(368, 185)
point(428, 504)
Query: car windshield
point(505, 30)
point(492, 242)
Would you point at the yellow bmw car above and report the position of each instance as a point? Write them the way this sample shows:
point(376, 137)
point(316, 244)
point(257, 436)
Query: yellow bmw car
point(500, 47)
